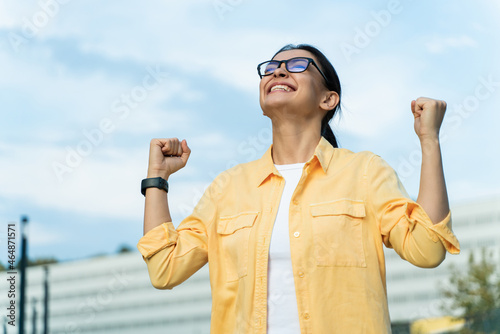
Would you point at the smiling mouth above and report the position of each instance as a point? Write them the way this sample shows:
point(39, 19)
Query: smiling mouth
point(280, 88)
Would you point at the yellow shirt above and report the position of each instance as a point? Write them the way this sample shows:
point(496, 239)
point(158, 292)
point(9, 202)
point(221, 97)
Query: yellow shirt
point(345, 207)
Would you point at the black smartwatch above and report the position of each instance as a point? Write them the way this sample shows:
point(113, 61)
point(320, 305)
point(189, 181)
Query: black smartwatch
point(154, 182)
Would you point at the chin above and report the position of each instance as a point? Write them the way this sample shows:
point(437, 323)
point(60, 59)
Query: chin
point(277, 100)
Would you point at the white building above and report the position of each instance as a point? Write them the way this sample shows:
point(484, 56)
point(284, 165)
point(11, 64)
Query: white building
point(113, 294)
point(413, 292)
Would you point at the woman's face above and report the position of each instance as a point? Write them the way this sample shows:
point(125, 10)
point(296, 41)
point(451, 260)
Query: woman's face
point(284, 90)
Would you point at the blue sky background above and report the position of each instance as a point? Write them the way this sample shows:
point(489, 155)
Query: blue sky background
point(76, 76)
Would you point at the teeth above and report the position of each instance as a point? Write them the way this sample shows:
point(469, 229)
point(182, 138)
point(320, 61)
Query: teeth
point(281, 87)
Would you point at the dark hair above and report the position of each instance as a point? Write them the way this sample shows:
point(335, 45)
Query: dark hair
point(332, 83)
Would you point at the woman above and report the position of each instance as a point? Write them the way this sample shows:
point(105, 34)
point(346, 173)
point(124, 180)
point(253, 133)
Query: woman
point(294, 240)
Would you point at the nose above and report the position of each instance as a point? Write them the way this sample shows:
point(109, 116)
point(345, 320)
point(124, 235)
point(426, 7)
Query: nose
point(280, 71)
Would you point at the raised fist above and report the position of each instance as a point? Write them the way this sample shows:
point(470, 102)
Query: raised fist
point(167, 156)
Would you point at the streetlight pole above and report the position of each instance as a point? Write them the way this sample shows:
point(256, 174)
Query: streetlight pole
point(46, 302)
point(23, 264)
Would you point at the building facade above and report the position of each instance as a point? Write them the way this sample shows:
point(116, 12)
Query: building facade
point(113, 294)
point(413, 292)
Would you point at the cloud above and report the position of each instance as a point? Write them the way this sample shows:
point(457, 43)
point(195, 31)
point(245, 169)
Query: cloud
point(96, 186)
point(75, 103)
point(442, 44)
point(13, 12)
point(105, 183)
point(71, 74)
point(376, 96)
point(199, 45)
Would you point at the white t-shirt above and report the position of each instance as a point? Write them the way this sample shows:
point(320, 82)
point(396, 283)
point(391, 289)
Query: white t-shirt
point(282, 311)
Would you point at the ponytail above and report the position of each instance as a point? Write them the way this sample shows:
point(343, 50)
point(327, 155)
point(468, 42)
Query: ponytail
point(326, 131)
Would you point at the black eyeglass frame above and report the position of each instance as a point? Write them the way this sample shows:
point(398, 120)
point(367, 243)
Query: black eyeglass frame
point(310, 61)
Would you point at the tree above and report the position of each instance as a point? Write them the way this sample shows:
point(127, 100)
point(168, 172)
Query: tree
point(41, 261)
point(124, 249)
point(38, 262)
point(473, 294)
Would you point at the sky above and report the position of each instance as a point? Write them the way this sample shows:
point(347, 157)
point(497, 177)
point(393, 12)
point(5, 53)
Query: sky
point(85, 86)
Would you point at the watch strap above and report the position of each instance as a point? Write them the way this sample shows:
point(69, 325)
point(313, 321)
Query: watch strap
point(154, 182)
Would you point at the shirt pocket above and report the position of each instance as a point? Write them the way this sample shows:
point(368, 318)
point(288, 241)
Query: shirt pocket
point(338, 233)
point(234, 232)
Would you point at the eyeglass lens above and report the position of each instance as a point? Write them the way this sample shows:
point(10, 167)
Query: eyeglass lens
point(295, 65)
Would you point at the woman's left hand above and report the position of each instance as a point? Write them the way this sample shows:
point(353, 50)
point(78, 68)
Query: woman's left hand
point(429, 114)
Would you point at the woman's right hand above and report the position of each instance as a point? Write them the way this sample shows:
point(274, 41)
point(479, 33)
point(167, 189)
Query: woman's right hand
point(167, 156)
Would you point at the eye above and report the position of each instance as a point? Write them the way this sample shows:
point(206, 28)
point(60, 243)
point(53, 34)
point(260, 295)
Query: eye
point(270, 67)
point(297, 65)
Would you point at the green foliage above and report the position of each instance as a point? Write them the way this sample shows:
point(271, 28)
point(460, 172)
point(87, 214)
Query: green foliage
point(41, 261)
point(37, 262)
point(124, 249)
point(474, 294)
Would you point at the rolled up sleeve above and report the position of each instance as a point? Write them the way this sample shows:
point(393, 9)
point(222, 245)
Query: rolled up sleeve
point(404, 225)
point(161, 237)
point(173, 255)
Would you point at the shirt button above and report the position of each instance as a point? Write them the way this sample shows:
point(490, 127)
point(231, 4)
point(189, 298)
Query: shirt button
point(306, 316)
point(301, 274)
point(296, 234)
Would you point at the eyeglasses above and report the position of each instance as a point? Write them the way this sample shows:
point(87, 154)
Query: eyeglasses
point(292, 65)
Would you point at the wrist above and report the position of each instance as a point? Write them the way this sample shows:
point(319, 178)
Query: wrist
point(429, 139)
point(157, 173)
point(431, 134)
point(430, 146)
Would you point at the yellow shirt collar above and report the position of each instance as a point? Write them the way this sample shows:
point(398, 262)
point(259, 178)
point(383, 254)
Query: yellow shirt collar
point(323, 153)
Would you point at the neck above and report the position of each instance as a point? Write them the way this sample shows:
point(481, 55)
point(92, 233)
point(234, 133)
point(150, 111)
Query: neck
point(294, 143)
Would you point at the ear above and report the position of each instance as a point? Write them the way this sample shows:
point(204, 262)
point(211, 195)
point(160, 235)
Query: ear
point(330, 100)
